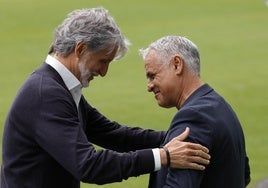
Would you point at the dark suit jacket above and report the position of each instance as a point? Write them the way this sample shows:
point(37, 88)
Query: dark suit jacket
point(47, 143)
point(213, 124)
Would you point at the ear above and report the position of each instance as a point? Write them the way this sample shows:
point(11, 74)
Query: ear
point(177, 64)
point(80, 49)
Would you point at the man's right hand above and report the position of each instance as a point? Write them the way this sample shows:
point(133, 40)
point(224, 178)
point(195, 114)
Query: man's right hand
point(185, 154)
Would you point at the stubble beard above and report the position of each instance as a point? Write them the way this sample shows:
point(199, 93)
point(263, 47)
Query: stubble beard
point(85, 74)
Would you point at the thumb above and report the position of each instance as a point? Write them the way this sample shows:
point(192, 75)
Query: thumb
point(184, 135)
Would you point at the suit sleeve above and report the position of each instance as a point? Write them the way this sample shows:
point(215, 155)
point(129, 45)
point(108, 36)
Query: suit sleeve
point(112, 135)
point(57, 130)
point(181, 178)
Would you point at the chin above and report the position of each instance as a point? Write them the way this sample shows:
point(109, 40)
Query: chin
point(85, 84)
point(164, 105)
point(159, 104)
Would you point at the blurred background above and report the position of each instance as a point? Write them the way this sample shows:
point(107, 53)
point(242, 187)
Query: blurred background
point(232, 36)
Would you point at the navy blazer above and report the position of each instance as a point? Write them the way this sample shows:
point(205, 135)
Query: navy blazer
point(214, 124)
point(48, 143)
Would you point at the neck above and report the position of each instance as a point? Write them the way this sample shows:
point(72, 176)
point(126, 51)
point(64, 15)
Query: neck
point(188, 88)
point(69, 62)
point(64, 60)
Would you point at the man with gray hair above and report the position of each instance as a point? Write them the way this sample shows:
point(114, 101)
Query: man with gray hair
point(172, 66)
point(50, 129)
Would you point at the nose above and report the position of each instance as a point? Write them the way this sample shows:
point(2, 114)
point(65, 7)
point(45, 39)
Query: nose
point(150, 87)
point(104, 69)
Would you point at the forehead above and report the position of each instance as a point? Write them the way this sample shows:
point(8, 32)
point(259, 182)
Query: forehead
point(152, 62)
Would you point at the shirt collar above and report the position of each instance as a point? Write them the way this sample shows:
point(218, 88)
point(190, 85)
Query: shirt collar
point(72, 83)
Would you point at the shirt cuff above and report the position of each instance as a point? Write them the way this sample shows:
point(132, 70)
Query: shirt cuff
point(157, 159)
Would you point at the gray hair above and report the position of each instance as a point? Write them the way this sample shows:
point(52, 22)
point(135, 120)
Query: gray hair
point(168, 46)
point(93, 26)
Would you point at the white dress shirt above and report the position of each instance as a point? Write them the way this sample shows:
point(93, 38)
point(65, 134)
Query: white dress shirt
point(72, 83)
point(75, 87)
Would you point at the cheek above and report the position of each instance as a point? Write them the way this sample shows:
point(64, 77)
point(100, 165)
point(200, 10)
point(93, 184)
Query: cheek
point(93, 66)
point(88, 66)
point(165, 84)
point(168, 89)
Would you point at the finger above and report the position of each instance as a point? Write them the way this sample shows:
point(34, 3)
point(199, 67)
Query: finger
point(203, 155)
point(184, 135)
point(199, 160)
point(200, 153)
point(198, 147)
point(196, 166)
point(204, 149)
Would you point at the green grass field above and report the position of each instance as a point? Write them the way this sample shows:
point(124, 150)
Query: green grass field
point(232, 36)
